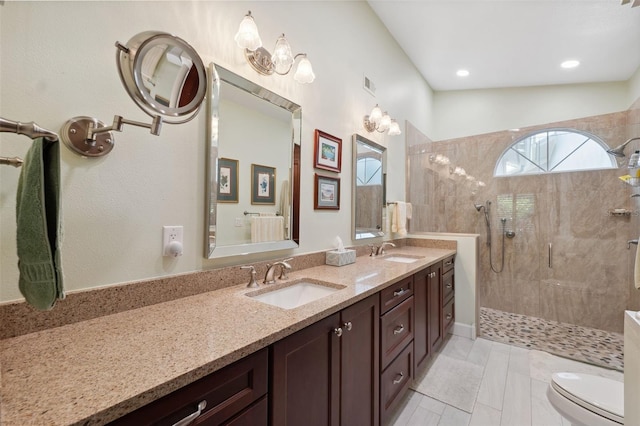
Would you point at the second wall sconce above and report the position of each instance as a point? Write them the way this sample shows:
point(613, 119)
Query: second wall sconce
point(282, 60)
point(379, 122)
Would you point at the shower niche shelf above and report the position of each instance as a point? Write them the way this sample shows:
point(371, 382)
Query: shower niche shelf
point(619, 212)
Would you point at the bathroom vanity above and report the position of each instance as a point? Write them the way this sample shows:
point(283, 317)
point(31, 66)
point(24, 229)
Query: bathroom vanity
point(346, 355)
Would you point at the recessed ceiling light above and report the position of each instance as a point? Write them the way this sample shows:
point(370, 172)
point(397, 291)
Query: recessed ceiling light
point(462, 73)
point(570, 64)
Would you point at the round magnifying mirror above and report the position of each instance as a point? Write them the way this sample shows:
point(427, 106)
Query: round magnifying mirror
point(163, 74)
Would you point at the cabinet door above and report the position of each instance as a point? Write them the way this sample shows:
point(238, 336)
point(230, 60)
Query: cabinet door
point(360, 366)
point(305, 377)
point(434, 308)
point(421, 347)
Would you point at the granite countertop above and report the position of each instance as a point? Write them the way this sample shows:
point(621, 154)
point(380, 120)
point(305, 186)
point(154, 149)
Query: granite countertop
point(97, 370)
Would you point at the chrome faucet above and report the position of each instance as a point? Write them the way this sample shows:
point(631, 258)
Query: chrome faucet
point(380, 250)
point(270, 276)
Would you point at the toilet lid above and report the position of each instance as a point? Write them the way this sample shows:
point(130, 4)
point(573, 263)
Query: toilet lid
point(601, 395)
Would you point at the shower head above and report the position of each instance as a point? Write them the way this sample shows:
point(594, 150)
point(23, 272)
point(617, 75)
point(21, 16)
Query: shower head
point(619, 150)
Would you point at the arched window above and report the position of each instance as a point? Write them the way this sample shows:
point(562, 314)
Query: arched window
point(555, 150)
point(369, 171)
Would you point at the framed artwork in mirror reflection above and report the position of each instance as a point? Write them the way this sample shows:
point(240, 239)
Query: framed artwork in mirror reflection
point(327, 151)
point(327, 193)
point(263, 184)
point(227, 180)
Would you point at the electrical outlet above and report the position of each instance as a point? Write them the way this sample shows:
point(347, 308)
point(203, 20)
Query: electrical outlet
point(239, 221)
point(170, 236)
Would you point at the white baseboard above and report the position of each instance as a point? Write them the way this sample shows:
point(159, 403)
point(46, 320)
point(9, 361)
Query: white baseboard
point(464, 330)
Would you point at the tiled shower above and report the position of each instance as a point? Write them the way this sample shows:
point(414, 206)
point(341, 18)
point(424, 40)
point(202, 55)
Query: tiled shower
point(569, 260)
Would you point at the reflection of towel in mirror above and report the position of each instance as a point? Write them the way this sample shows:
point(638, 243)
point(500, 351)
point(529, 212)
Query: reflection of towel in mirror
point(636, 269)
point(399, 221)
point(267, 228)
point(38, 231)
point(283, 208)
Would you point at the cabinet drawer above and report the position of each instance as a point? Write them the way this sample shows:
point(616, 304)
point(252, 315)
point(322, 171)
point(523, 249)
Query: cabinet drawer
point(226, 392)
point(256, 415)
point(394, 383)
point(448, 263)
point(448, 315)
point(448, 285)
point(396, 293)
point(396, 328)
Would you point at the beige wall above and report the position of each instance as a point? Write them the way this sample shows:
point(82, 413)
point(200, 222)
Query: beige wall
point(590, 280)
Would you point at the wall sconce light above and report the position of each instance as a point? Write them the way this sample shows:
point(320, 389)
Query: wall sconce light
point(379, 122)
point(282, 60)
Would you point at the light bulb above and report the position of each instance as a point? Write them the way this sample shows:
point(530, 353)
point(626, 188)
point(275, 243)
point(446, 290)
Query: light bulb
point(304, 72)
point(385, 122)
point(282, 57)
point(394, 128)
point(247, 36)
point(376, 115)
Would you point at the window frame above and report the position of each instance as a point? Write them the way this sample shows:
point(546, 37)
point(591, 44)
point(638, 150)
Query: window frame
point(546, 170)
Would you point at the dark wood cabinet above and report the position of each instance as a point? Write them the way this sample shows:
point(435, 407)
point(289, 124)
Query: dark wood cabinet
point(327, 373)
point(434, 291)
point(434, 308)
point(428, 313)
point(394, 383)
point(217, 399)
point(396, 345)
point(360, 363)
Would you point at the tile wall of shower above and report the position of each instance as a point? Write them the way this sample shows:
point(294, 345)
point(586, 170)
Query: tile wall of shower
point(590, 281)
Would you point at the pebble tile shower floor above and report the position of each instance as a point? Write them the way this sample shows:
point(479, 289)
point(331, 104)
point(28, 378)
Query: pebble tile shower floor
point(584, 344)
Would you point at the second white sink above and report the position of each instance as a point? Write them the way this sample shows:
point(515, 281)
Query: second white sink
point(294, 295)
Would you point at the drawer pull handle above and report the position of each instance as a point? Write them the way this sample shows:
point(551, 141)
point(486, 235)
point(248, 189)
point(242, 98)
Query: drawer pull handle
point(448, 263)
point(399, 329)
point(399, 378)
point(432, 274)
point(338, 331)
point(449, 316)
point(400, 292)
point(348, 325)
point(191, 417)
point(449, 285)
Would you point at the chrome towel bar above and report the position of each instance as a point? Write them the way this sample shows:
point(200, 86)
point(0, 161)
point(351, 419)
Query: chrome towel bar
point(30, 129)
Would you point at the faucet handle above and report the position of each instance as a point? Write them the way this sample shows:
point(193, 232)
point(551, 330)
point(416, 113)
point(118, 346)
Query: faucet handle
point(374, 250)
point(286, 267)
point(252, 281)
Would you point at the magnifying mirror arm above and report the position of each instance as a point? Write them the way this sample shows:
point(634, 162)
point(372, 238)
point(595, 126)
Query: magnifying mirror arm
point(119, 122)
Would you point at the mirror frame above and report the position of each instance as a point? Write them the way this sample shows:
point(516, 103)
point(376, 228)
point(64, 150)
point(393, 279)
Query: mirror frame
point(358, 139)
point(217, 75)
point(130, 58)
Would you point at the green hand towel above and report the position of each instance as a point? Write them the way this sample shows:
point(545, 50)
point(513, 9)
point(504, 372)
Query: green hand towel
point(38, 225)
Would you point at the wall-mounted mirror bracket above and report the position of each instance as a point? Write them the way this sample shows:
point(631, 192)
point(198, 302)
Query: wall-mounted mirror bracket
point(162, 74)
point(89, 137)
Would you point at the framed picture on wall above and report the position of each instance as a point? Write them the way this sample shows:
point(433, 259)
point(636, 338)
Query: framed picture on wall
point(327, 151)
point(263, 184)
point(227, 180)
point(327, 193)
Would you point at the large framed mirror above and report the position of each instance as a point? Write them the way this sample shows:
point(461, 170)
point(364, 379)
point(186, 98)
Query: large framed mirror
point(369, 187)
point(252, 173)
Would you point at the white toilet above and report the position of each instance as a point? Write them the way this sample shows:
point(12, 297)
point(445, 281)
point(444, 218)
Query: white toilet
point(587, 400)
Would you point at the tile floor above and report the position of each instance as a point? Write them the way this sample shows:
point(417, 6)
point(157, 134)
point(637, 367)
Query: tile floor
point(511, 393)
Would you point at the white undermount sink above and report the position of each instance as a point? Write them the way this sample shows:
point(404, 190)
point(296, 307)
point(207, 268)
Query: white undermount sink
point(296, 294)
point(402, 258)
